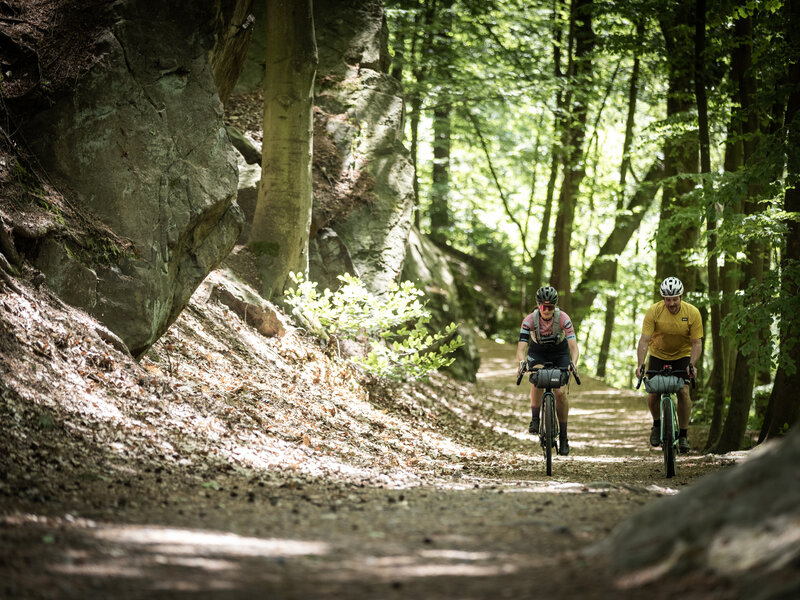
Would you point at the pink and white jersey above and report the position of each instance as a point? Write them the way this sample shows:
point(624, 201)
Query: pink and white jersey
point(546, 327)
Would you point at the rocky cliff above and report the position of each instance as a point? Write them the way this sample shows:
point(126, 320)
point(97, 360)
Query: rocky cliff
point(127, 128)
point(136, 140)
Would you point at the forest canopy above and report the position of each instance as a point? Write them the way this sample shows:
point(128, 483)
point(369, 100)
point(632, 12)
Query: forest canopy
point(600, 147)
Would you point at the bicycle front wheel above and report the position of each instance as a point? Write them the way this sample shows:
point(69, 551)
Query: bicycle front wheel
point(668, 434)
point(550, 425)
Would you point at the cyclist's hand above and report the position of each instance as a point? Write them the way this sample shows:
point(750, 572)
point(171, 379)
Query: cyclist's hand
point(690, 370)
point(640, 371)
point(521, 367)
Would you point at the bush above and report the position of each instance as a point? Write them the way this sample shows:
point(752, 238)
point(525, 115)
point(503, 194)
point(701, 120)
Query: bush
point(393, 324)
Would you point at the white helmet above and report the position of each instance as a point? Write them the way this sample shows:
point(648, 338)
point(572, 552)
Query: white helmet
point(671, 286)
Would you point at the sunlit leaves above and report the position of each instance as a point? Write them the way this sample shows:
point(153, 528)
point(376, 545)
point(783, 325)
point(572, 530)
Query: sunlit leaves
point(393, 325)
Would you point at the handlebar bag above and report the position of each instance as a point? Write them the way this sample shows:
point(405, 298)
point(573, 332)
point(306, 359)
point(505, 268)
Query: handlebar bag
point(549, 378)
point(664, 384)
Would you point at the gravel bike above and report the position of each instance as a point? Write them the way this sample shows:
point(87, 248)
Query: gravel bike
point(667, 384)
point(548, 378)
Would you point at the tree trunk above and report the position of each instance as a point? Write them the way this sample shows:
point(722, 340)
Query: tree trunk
point(544, 229)
point(716, 382)
point(537, 265)
point(580, 72)
point(783, 410)
point(233, 27)
point(735, 426)
point(439, 210)
point(420, 45)
point(611, 301)
point(279, 236)
point(678, 223)
point(729, 277)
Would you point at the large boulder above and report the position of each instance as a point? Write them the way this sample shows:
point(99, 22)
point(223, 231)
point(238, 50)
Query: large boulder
point(741, 523)
point(138, 138)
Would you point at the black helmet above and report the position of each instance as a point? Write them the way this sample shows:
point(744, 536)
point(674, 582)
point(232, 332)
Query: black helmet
point(671, 286)
point(547, 295)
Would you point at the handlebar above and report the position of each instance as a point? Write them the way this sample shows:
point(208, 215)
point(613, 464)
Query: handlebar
point(574, 372)
point(523, 368)
point(666, 371)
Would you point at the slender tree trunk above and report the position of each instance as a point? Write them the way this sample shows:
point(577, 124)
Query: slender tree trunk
point(279, 236)
point(729, 276)
point(716, 383)
point(580, 73)
point(611, 300)
point(439, 210)
point(679, 219)
point(730, 273)
point(544, 230)
point(735, 426)
point(420, 48)
point(783, 410)
point(555, 158)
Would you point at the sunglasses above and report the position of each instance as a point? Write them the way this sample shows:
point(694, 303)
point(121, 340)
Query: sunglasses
point(546, 307)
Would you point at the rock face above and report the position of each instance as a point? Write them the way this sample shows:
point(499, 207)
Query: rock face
point(140, 141)
point(741, 522)
point(362, 175)
point(363, 179)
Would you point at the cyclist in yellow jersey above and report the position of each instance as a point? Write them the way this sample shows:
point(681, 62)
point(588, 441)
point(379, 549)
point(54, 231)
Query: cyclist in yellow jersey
point(672, 332)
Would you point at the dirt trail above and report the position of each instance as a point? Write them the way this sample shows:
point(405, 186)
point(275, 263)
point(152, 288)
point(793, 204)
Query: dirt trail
point(470, 514)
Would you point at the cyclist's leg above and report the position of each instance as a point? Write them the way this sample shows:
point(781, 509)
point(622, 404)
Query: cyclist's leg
point(684, 407)
point(684, 413)
point(654, 403)
point(536, 398)
point(535, 360)
point(536, 407)
point(562, 406)
point(561, 358)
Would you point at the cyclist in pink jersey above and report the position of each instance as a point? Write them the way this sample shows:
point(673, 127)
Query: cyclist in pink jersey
point(547, 335)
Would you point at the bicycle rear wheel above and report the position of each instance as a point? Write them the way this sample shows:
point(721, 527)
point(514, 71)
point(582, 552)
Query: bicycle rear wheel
point(668, 434)
point(550, 426)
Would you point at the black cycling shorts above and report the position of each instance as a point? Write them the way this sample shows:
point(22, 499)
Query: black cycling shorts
point(558, 354)
point(678, 365)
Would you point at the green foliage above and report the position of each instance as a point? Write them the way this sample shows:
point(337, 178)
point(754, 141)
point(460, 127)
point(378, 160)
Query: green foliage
point(494, 65)
point(393, 325)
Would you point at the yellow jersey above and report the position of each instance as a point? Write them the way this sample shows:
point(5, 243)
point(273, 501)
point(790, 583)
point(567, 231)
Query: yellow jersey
point(672, 335)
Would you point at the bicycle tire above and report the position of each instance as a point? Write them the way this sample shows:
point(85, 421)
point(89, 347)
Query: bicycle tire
point(668, 434)
point(550, 425)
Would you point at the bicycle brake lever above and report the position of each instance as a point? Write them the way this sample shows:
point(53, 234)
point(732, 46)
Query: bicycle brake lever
point(575, 373)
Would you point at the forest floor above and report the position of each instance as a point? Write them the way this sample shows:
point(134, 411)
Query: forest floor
point(229, 465)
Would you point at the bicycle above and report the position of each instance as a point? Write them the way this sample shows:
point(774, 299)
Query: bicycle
point(667, 384)
point(548, 378)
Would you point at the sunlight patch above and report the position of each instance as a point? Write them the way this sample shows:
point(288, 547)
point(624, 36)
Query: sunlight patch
point(168, 540)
